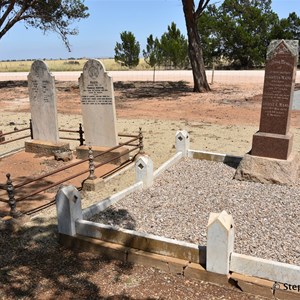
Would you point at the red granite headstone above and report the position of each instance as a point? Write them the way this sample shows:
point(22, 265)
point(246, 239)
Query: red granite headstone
point(273, 138)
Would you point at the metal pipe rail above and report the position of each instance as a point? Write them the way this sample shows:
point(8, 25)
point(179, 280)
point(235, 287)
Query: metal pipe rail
point(15, 131)
point(16, 139)
point(35, 210)
point(73, 176)
point(11, 189)
point(71, 165)
point(10, 141)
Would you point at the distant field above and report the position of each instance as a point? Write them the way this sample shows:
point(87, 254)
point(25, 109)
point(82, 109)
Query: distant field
point(66, 65)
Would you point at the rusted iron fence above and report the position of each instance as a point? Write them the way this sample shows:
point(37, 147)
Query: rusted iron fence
point(80, 132)
point(134, 145)
point(3, 135)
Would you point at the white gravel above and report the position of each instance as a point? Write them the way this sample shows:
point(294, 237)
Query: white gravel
point(266, 216)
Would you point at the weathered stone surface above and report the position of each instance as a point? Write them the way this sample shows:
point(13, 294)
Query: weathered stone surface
point(280, 74)
point(44, 147)
point(272, 145)
point(278, 87)
point(220, 242)
point(142, 241)
point(182, 142)
point(144, 171)
point(268, 170)
point(266, 269)
point(121, 154)
point(94, 185)
point(296, 100)
point(64, 155)
point(98, 105)
point(42, 99)
point(68, 207)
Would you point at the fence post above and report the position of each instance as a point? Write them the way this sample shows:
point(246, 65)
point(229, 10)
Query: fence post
point(68, 206)
point(220, 242)
point(141, 143)
point(91, 165)
point(182, 142)
point(2, 138)
point(30, 127)
point(144, 171)
point(81, 139)
point(11, 197)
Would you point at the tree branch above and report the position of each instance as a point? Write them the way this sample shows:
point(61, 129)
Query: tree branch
point(201, 7)
point(16, 18)
point(7, 12)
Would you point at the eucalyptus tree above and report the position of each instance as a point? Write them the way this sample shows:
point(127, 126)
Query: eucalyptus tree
point(56, 15)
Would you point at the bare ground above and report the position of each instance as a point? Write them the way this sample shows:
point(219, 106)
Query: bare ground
point(34, 266)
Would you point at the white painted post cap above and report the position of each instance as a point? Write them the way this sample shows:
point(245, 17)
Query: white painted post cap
point(68, 206)
point(220, 242)
point(182, 142)
point(144, 171)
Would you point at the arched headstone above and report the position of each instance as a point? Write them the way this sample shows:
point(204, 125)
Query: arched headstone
point(42, 97)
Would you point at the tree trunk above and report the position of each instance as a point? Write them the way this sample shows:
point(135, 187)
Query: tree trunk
point(195, 48)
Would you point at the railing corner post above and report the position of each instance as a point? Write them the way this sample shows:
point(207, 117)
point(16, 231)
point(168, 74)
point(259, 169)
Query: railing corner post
point(91, 165)
point(81, 139)
point(11, 197)
point(30, 127)
point(141, 141)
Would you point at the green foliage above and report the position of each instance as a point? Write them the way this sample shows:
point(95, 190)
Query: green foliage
point(173, 48)
point(127, 53)
point(56, 15)
point(239, 31)
point(287, 28)
point(210, 34)
point(151, 54)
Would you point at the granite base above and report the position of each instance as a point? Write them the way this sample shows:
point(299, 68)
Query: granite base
point(269, 170)
point(272, 145)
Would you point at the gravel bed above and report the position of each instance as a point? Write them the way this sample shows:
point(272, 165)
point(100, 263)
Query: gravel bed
point(178, 205)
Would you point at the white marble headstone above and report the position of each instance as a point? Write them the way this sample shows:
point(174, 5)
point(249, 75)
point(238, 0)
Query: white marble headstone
point(98, 105)
point(42, 97)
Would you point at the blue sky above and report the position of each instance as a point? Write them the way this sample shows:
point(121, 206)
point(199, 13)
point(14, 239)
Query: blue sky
point(99, 33)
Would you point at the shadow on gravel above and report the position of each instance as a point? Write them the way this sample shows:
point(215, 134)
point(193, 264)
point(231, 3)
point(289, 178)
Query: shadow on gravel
point(33, 265)
point(115, 217)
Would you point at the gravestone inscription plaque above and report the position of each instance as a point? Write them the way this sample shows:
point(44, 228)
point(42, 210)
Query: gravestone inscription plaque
point(42, 99)
point(274, 139)
point(97, 105)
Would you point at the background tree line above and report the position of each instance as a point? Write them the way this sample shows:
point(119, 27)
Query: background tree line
point(233, 35)
point(239, 31)
point(170, 51)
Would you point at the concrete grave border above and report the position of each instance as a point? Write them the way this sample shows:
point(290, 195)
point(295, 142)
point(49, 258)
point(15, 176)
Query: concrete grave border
point(225, 267)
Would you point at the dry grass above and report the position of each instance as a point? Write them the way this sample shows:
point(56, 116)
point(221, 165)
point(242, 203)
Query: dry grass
point(66, 65)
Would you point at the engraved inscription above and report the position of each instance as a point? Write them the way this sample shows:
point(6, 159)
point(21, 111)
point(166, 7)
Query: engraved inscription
point(41, 91)
point(277, 94)
point(278, 86)
point(98, 105)
point(95, 94)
